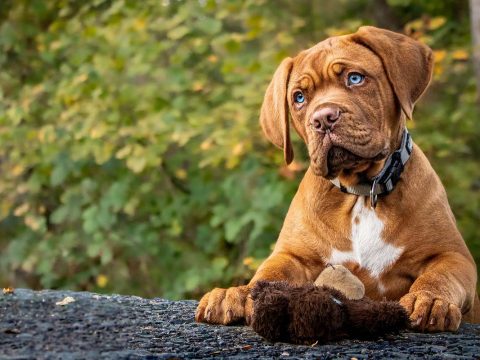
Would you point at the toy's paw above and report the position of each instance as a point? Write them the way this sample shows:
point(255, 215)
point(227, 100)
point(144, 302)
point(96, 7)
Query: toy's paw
point(225, 306)
point(431, 313)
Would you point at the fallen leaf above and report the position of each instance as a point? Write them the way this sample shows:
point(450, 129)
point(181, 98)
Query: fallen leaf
point(65, 301)
point(8, 290)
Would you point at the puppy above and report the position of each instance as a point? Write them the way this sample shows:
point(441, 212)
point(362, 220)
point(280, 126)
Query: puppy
point(370, 199)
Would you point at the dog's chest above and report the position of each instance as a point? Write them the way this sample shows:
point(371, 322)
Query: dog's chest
point(369, 250)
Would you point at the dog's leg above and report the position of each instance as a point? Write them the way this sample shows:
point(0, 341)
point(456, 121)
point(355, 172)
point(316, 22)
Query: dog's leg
point(225, 306)
point(233, 305)
point(439, 296)
point(295, 259)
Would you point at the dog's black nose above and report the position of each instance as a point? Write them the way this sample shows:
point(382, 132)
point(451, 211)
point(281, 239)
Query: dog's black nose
point(325, 118)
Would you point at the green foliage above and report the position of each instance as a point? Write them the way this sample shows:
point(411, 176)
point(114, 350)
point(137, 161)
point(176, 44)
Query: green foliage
point(132, 159)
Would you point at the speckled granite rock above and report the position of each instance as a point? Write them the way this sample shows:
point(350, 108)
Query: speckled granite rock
point(120, 327)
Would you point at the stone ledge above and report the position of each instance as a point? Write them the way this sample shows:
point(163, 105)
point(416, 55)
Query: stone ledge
point(119, 327)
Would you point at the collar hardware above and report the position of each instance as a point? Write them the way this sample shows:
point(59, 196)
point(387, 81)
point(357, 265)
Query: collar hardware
point(385, 181)
point(373, 196)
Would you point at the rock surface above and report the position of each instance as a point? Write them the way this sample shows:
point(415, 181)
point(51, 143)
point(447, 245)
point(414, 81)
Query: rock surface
point(119, 327)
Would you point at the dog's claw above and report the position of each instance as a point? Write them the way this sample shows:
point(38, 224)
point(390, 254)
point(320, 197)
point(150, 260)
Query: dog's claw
point(418, 321)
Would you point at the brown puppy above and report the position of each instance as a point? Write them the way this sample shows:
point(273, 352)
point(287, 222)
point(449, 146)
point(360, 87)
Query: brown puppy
point(349, 98)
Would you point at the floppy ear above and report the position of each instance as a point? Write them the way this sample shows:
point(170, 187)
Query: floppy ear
point(407, 62)
point(274, 113)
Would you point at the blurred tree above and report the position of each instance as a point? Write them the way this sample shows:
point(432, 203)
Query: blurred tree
point(132, 159)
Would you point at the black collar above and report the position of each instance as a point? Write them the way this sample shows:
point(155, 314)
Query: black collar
point(385, 181)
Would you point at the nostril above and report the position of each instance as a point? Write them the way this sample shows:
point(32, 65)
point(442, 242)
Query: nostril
point(333, 116)
point(317, 124)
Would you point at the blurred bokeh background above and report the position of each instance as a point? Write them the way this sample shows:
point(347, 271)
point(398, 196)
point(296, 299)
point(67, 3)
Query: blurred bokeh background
point(131, 158)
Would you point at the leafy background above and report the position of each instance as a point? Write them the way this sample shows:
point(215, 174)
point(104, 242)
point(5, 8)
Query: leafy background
point(131, 157)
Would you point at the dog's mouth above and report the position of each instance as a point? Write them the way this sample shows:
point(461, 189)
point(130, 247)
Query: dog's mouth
point(331, 156)
point(339, 159)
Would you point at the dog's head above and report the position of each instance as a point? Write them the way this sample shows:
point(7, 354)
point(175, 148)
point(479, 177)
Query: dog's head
point(348, 98)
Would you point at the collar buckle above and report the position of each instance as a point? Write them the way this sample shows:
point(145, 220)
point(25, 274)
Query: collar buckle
point(385, 181)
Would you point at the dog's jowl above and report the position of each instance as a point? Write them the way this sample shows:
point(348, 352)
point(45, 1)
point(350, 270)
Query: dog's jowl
point(370, 199)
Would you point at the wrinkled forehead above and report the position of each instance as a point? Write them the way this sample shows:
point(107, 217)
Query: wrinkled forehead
point(331, 57)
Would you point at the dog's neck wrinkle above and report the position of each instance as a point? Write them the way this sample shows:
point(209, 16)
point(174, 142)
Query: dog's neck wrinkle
point(374, 167)
point(365, 175)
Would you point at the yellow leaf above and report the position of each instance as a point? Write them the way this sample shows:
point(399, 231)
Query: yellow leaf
point(436, 22)
point(460, 54)
point(248, 260)
point(32, 222)
point(136, 164)
point(439, 55)
point(139, 24)
point(101, 280)
point(124, 152)
point(46, 134)
point(232, 162)
point(414, 25)
point(80, 79)
point(55, 45)
point(438, 70)
point(252, 263)
point(131, 206)
point(213, 59)
point(426, 39)
point(197, 86)
point(207, 144)
point(17, 170)
point(21, 210)
point(181, 174)
point(238, 149)
point(98, 131)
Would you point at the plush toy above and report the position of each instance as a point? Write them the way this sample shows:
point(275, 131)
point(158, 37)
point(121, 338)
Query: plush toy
point(310, 313)
point(340, 278)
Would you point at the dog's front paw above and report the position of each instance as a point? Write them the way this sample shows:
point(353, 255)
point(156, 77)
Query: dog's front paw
point(225, 306)
point(429, 312)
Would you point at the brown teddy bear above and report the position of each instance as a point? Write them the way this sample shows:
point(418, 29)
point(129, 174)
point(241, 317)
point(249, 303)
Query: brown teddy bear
point(331, 309)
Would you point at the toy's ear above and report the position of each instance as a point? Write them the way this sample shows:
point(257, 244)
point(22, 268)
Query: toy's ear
point(407, 62)
point(274, 114)
point(340, 278)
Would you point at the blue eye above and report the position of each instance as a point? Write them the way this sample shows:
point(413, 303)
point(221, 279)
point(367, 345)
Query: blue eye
point(355, 78)
point(298, 97)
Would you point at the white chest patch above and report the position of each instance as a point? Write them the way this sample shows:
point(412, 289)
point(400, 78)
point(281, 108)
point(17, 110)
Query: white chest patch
point(368, 248)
